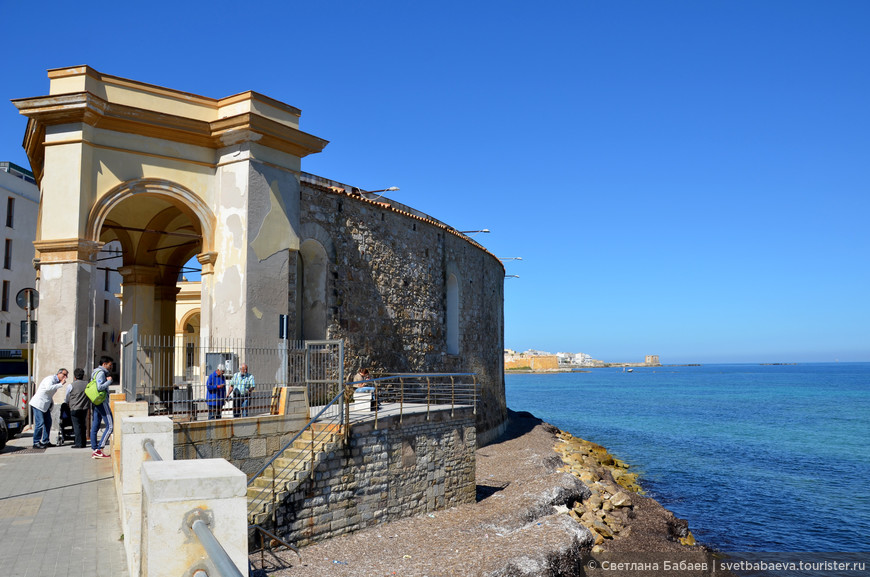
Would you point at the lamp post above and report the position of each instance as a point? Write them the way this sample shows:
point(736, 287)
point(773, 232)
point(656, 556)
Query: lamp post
point(503, 258)
point(511, 276)
point(391, 189)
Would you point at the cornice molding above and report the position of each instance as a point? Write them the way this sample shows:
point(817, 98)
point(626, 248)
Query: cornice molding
point(89, 109)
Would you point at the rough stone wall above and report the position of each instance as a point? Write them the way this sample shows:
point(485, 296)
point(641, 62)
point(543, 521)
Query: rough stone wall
point(248, 443)
point(384, 474)
point(387, 293)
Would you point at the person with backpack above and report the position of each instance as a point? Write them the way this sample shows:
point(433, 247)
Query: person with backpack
point(102, 411)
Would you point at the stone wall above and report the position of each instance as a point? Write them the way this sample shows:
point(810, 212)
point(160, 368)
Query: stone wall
point(386, 292)
point(384, 474)
point(248, 442)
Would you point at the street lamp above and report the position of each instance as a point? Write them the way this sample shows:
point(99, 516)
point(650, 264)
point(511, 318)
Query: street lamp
point(510, 258)
point(511, 276)
point(471, 233)
point(360, 191)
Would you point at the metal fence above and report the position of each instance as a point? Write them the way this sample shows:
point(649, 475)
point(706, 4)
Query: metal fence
point(172, 372)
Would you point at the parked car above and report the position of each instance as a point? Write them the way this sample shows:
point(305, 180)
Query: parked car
point(13, 418)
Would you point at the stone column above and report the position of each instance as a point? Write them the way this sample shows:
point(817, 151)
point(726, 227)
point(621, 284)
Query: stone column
point(66, 300)
point(172, 493)
point(138, 298)
point(134, 432)
point(257, 227)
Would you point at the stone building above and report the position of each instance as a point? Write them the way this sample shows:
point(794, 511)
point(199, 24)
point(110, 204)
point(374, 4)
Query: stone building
point(169, 175)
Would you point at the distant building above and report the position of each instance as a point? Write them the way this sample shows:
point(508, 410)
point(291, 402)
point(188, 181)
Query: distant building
point(19, 197)
point(19, 201)
point(652, 360)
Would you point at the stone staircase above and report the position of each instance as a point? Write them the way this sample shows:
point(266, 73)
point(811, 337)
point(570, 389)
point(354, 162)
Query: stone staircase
point(291, 469)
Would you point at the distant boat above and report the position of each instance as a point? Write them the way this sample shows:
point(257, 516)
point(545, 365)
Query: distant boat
point(630, 370)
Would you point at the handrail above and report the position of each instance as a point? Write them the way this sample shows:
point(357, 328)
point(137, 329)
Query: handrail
point(148, 445)
point(216, 553)
point(296, 436)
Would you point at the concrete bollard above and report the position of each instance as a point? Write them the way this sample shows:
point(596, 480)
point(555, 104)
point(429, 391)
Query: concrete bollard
point(176, 492)
point(134, 431)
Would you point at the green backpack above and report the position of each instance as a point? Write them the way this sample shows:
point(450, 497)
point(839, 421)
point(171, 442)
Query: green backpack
point(96, 396)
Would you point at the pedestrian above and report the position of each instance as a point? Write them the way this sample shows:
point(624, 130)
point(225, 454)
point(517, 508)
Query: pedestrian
point(217, 394)
point(102, 412)
point(78, 407)
point(243, 385)
point(362, 382)
point(41, 404)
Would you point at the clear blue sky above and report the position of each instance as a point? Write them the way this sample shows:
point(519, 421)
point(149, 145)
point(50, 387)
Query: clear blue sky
point(688, 179)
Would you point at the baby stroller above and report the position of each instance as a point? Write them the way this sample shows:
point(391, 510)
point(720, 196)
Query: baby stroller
point(66, 426)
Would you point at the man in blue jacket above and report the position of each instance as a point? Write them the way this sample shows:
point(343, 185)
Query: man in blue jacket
point(217, 393)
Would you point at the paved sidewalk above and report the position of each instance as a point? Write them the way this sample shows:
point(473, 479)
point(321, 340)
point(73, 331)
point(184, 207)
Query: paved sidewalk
point(58, 513)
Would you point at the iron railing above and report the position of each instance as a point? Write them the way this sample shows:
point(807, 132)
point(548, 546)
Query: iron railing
point(171, 373)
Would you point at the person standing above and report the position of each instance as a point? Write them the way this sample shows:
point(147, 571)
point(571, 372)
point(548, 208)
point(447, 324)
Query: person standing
point(78, 407)
point(243, 384)
point(41, 404)
point(102, 412)
point(217, 393)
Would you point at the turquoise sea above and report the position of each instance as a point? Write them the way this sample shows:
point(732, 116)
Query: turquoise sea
point(755, 457)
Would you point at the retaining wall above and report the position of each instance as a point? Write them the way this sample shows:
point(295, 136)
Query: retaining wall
point(384, 474)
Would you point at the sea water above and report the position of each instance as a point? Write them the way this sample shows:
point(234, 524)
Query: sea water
point(755, 457)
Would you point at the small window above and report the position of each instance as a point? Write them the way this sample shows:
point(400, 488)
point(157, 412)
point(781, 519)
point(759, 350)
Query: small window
point(105, 341)
point(7, 254)
point(106, 280)
point(4, 301)
point(10, 211)
point(105, 312)
point(8, 330)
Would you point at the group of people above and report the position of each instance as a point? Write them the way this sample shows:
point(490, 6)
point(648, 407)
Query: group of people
point(239, 389)
point(79, 404)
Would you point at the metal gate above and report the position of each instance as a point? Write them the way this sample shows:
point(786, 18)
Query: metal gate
point(155, 368)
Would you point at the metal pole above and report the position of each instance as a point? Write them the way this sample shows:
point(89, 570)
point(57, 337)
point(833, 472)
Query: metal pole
point(29, 387)
point(149, 447)
point(216, 553)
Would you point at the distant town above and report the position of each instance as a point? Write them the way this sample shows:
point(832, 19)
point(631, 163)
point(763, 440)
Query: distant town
point(533, 360)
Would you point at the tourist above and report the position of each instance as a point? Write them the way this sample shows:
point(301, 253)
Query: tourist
point(102, 411)
point(41, 404)
point(362, 380)
point(78, 407)
point(217, 394)
point(242, 385)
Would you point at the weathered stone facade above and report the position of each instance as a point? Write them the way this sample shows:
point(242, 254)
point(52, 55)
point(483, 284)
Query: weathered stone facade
point(386, 291)
point(383, 474)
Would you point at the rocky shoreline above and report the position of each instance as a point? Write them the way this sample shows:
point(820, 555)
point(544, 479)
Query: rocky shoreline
point(548, 504)
point(610, 511)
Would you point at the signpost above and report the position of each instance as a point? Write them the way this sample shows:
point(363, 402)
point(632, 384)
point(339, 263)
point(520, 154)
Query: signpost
point(28, 299)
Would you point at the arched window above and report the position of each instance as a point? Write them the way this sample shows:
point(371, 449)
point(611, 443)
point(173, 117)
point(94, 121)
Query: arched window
point(313, 284)
point(452, 315)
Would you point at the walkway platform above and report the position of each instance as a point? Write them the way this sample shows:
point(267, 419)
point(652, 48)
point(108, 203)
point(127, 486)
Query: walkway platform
point(59, 513)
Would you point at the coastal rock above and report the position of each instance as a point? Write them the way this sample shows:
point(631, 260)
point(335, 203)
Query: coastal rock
point(602, 528)
point(621, 500)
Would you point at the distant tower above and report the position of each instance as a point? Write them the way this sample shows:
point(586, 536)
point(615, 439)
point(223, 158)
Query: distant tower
point(652, 360)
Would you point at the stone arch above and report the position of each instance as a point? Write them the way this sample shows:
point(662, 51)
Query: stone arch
point(186, 200)
point(313, 231)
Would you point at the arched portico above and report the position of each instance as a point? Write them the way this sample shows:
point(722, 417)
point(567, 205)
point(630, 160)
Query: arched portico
point(168, 175)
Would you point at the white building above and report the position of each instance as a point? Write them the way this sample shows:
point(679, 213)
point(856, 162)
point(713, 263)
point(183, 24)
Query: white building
point(20, 197)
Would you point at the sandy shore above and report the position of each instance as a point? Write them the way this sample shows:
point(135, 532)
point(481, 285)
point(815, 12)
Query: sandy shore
point(533, 516)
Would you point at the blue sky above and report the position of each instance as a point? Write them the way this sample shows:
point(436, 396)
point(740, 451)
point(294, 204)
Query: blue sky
point(688, 179)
